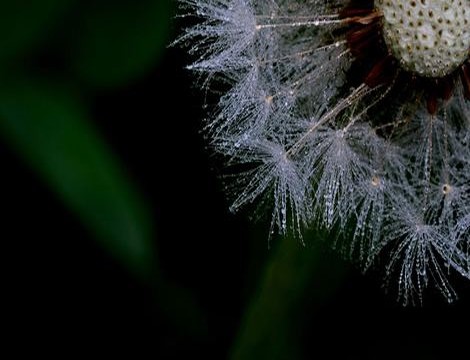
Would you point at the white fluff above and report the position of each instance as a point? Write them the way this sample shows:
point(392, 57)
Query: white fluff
point(307, 141)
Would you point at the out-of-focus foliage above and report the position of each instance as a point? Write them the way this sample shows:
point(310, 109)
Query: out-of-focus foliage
point(270, 325)
point(53, 55)
point(104, 43)
point(53, 133)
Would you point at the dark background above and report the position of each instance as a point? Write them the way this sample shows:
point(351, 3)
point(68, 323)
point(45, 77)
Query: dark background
point(226, 293)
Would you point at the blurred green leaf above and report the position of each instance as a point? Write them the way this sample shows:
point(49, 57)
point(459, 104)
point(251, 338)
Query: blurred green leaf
point(295, 278)
point(54, 135)
point(120, 40)
point(24, 23)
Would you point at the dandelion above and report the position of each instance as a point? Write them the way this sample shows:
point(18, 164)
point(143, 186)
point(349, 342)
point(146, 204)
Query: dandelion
point(351, 115)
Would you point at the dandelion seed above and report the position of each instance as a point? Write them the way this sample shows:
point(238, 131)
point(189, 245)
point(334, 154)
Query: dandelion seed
point(423, 252)
point(272, 172)
point(350, 115)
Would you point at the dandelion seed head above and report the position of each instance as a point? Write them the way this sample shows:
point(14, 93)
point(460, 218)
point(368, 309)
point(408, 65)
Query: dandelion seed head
point(349, 115)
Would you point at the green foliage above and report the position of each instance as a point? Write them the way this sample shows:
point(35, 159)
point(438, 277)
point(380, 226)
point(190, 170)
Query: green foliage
point(51, 130)
point(294, 276)
point(102, 44)
point(116, 42)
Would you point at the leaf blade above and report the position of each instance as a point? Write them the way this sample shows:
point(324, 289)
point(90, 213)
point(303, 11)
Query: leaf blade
point(53, 134)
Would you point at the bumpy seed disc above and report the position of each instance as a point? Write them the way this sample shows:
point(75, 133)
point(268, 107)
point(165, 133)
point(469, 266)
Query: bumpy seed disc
point(428, 37)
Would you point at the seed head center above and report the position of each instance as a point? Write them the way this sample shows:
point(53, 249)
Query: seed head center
point(428, 37)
